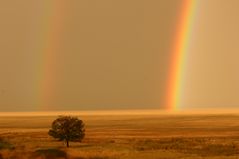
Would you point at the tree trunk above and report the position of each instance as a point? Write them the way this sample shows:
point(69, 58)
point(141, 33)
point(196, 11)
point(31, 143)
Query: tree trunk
point(67, 143)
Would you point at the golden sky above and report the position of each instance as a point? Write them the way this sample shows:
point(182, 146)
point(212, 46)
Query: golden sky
point(114, 54)
point(211, 75)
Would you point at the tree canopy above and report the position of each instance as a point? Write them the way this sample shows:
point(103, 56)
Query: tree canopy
point(67, 128)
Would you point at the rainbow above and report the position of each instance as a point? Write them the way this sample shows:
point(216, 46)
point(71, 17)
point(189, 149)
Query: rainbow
point(51, 31)
point(179, 53)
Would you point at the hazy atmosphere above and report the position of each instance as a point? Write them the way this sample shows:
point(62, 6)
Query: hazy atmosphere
point(114, 54)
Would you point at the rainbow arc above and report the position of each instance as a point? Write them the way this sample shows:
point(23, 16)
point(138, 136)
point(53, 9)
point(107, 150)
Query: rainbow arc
point(179, 53)
point(51, 35)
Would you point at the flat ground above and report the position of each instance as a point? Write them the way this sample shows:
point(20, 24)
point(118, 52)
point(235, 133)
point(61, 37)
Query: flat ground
point(125, 137)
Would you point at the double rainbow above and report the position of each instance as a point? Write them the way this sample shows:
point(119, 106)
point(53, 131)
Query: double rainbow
point(179, 53)
point(50, 36)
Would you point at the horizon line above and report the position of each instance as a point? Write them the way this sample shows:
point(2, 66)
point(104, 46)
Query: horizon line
point(192, 111)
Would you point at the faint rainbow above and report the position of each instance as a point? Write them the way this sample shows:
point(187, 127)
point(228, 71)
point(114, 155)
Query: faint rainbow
point(51, 32)
point(180, 52)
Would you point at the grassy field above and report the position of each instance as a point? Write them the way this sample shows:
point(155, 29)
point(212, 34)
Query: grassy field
point(125, 137)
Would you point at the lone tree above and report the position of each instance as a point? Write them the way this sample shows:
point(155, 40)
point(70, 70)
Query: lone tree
point(67, 128)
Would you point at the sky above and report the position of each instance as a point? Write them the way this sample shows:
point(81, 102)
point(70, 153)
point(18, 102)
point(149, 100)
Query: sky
point(110, 55)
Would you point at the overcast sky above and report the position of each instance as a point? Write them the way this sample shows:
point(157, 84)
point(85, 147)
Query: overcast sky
point(113, 54)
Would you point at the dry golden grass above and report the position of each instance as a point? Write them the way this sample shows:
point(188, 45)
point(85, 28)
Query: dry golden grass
point(125, 137)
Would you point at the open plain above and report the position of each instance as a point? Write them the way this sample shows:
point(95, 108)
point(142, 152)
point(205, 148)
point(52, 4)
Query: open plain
point(171, 136)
